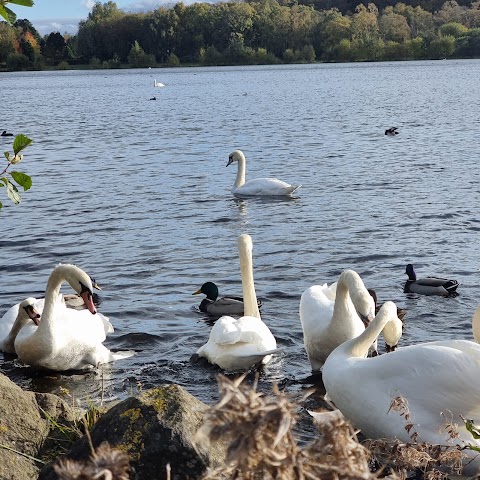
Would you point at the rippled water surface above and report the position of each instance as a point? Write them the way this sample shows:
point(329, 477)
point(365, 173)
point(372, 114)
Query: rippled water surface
point(136, 192)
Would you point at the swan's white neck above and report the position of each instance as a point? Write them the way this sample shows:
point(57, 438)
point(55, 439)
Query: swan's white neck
point(245, 248)
point(349, 289)
point(359, 346)
point(476, 325)
point(57, 277)
point(240, 180)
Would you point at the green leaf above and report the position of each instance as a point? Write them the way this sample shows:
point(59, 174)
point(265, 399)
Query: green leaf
point(7, 14)
point(22, 179)
point(7, 155)
point(470, 425)
point(12, 191)
point(25, 3)
point(20, 142)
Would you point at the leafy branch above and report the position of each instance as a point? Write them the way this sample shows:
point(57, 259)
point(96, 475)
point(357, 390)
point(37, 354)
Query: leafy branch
point(7, 14)
point(22, 179)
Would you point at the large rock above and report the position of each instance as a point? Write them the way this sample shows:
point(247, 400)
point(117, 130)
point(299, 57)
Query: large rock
point(26, 421)
point(155, 428)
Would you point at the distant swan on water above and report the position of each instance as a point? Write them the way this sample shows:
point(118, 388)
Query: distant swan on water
point(157, 84)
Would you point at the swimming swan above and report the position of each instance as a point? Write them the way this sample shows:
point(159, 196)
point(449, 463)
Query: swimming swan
point(363, 388)
point(329, 315)
point(26, 315)
point(219, 306)
point(157, 84)
point(257, 186)
point(239, 344)
point(428, 285)
point(66, 339)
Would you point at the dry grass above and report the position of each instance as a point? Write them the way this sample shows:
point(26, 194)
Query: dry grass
point(104, 463)
point(262, 445)
point(418, 455)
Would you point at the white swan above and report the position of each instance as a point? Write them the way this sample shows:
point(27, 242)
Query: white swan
point(329, 315)
point(392, 333)
point(239, 344)
point(26, 315)
point(157, 84)
point(435, 378)
point(66, 339)
point(257, 186)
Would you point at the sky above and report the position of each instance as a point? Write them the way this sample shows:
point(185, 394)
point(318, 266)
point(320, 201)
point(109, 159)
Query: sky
point(63, 15)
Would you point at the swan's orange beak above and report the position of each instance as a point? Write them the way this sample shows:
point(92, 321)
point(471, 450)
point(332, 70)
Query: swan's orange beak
point(88, 300)
point(33, 314)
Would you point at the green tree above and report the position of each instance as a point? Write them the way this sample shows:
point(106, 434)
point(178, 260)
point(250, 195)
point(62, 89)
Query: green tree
point(393, 26)
point(55, 48)
point(454, 29)
point(138, 58)
point(8, 40)
point(441, 47)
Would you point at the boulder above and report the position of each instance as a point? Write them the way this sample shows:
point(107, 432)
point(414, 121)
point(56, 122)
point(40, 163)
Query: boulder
point(155, 428)
point(26, 423)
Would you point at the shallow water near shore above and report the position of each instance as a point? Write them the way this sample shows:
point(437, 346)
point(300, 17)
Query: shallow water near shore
point(136, 192)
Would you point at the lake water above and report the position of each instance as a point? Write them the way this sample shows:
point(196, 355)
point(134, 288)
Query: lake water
point(136, 192)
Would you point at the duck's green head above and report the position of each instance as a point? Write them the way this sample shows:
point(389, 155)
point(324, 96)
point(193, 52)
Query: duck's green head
point(209, 289)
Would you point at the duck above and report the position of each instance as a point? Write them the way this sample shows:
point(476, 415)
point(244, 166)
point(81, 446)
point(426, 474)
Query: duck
point(429, 285)
point(26, 315)
point(157, 84)
point(257, 186)
point(66, 339)
point(363, 389)
point(392, 333)
point(220, 306)
point(5, 134)
point(238, 344)
point(333, 314)
point(391, 131)
point(153, 98)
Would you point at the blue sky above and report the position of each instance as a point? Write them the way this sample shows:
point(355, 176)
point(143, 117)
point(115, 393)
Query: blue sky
point(63, 15)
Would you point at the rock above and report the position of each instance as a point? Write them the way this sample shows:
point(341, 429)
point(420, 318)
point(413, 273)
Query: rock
point(155, 428)
point(25, 426)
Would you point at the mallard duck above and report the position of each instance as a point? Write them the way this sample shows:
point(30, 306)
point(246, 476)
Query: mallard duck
point(66, 339)
point(220, 306)
point(239, 344)
point(257, 186)
point(439, 380)
point(391, 131)
point(428, 285)
point(330, 315)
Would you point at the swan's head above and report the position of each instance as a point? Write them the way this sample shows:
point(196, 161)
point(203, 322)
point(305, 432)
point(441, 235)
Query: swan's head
point(235, 156)
point(361, 298)
point(80, 281)
point(27, 311)
point(209, 289)
point(410, 272)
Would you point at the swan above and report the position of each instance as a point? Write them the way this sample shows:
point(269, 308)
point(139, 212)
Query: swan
point(392, 333)
point(239, 344)
point(434, 377)
point(219, 306)
point(428, 285)
point(157, 84)
point(257, 186)
point(25, 312)
point(66, 339)
point(329, 315)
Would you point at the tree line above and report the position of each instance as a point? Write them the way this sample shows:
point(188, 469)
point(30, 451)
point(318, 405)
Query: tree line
point(255, 32)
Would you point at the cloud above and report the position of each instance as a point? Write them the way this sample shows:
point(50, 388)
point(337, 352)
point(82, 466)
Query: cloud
point(88, 4)
point(62, 25)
